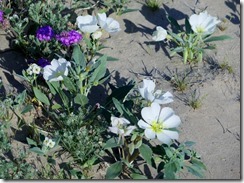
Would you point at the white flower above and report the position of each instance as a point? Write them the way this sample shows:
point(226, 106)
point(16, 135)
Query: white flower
point(36, 69)
point(97, 34)
point(33, 69)
point(203, 23)
point(147, 92)
point(119, 126)
point(157, 122)
point(108, 24)
point(56, 70)
point(160, 34)
point(48, 143)
point(87, 23)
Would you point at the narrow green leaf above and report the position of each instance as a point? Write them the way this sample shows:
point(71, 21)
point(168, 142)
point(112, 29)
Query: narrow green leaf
point(118, 106)
point(31, 142)
point(114, 170)
point(217, 38)
point(198, 163)
point(37, 150)
point(41, 96)
point(131, 148)
point(189, 143)
point(100, 71)
point(146, 153)
point(169, 170)
point(195, 171)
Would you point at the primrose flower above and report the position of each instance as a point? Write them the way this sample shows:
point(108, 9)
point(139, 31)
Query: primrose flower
point(148, 93)
point(87, 23)
point(119, 126)
point(1, 16)
point(69, 38)
point(108, 24)
point(160, 34)
point(158, 122)
point(33, 69)
point(48, 142)
point(203, 23)
point(56, 70)
point(45, 33)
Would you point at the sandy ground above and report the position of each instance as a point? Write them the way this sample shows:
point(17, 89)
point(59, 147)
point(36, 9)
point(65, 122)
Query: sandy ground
point(215, 126)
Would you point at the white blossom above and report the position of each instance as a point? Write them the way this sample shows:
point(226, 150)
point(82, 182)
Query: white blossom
point(158, 122)
point(87, 23)
point(107, 23)
point(56, 70)
point(203, 23)
point(160, 34)
point(119, 126)
point(148, 93)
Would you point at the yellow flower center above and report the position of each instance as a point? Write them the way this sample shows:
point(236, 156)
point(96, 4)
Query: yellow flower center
point(157, 127)
point(200, 29)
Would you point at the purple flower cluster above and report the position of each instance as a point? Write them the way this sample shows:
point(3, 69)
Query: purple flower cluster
point(42, 62)
point(68, 38)
point(45, 33)
point(1, 16)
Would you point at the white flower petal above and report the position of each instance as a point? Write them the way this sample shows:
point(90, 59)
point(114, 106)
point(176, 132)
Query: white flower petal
point(163, 99)
point(113, 130)
point(165, 113)
point(171, 134)
point(160, 34)
point(129, 129)
point(102, 17)
point(172, 122)
point(150, 114)
point(142, 124)
point(164, 138)
point(150, 134)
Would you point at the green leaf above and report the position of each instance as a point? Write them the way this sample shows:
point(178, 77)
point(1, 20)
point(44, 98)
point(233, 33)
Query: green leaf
point(174, 23)
point(31, 142)
point(217, 38)
point(69, 84)
point(63, 97)
point(195, 171)
point(198, 163)
point(177, 37)
point(81, 99)
point(100, 71)
point(189, 143)
point(56, 106)
point(118, 106)
point(138, 144)
point(79, 57)
point(27, 108)
point(137, 176)
point(131, 148)
point(37, 150)
point(146, 153)
point(41, 96)
point(8, 11)
point(127, 10)
point(114, 170)
point(53, 86)
point(169, 170)
point(111, 143)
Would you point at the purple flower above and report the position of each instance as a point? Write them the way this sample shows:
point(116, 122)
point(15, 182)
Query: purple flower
point(1, 16)
point(45, 33)
point(68, 38)
point(43, 62)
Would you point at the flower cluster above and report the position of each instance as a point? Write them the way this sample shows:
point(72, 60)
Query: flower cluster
point(33, 69)
point(45, 33)
point(1, 16)
point(48, 143)
point(90, 24)
point(119, 126)
point(68, 38)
